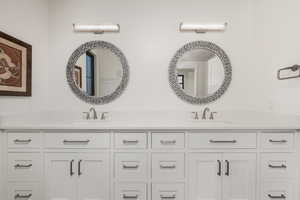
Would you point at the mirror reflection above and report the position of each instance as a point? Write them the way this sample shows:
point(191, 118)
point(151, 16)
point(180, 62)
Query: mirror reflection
point(98, 72)
point(200, 73)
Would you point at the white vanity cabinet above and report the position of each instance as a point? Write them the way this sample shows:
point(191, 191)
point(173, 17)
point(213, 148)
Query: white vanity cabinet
point(219, 176)
point(150, 165)
point(79, 176)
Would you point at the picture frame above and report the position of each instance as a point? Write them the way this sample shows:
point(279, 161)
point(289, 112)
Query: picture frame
point(78, 76)
point(15, 67)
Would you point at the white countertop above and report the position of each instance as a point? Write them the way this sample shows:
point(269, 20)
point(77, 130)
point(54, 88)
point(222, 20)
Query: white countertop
point(49, 120)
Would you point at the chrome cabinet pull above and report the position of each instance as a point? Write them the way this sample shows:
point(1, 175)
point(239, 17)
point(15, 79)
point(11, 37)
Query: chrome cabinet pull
point(79, 168)
point(23, 166)
point(168, 197)
point(227, 168)
point(132, 142)
point(125, 196)
point(220, 169)
point(282, 196)
point(19, 196)
point(222, 141)
point(22, 141)
point(76, 141)
point(71, 168)
point(130, 166)
point(167, 166)
point(278, 166)
point(278, 141)
point(168, 142)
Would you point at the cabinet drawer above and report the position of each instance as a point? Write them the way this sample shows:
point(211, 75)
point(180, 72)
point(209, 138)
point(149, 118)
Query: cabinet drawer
point(277, 190)
point(279, 165)
point(131, 191)
point(24, 166)
point(168, 166)
point(277, 141)
point(77, 140)
point(168, 140)
point(24, 140)
point(130, 140)
point(23, 191)
point(131, 166)
point(222, 140)
point(168, 191)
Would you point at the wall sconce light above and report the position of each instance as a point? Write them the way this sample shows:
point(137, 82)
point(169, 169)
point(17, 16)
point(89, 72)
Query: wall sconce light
point(202, 28)
point(97, 29)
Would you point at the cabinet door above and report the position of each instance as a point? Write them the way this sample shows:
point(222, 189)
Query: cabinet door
point(205, 176)
point(239, 176)
point(93, 176)
point(61, 179)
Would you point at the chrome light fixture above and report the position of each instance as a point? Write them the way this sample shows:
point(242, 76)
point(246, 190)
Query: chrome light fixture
point(97, 29)
point(203, 28)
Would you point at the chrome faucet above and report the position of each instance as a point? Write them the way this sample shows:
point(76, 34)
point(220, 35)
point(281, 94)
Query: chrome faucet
point(204, 112)
point(92, 109)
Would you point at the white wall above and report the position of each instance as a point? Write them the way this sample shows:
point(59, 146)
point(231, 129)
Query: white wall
point(27, 20)
point(261, 37)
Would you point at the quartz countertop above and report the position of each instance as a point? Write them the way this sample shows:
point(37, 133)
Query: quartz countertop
point(148, 120)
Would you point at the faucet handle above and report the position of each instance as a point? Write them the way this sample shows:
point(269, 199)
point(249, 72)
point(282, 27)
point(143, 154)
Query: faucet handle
point(87, 115)
point(103, 115)
point(212, 115)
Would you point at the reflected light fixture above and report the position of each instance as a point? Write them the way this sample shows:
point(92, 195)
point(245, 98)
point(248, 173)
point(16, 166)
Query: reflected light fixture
point(203, 28)
point(97, 29)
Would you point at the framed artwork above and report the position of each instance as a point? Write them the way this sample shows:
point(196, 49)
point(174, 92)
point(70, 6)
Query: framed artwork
point(78, 76)
point(15, 66)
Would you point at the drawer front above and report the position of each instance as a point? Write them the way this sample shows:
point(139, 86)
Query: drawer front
point(130, 140)
point(24, 140)
point(222, 140)
point(23, 192)
point(168, 166)
point(24, 166)
point(277, 141)
point(277, 190)
point(130, 191)
point(168, 140)
point(77, 140)
point(277, 166)
point(168, 191)
point(131, 166)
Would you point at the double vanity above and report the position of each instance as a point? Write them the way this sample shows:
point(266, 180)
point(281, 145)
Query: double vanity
point(192, 162)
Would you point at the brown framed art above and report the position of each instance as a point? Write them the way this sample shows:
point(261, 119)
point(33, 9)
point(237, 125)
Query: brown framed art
point(78, 76)
point(15, 66)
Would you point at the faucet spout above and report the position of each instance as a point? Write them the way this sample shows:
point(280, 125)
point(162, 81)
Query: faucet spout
point(92, 109)
point(205, 112)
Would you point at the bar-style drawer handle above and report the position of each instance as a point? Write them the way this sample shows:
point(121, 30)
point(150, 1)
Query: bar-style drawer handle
point(130, 142)
point(23, 166)
point(277, 166)
point(125, 196)
point(278, 141)
point(168, 142)
point(76, 141)
point(282, 196)
point(22, 141)
point(168, 197)
point(223, 141)
point(130, 166)
point(19, 196)
point(167, 166)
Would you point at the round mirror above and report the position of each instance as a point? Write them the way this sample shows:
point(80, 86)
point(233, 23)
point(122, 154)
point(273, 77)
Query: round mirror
point(200, 72)
point(97, 72)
